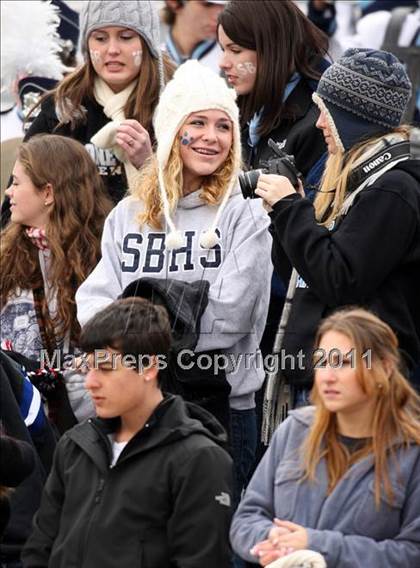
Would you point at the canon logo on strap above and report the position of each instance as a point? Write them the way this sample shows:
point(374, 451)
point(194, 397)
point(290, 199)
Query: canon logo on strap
point(377, 162)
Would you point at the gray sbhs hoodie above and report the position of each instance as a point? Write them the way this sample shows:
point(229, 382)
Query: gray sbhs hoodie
point(238, 269)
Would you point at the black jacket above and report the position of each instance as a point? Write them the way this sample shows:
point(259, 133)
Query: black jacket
point(299, 134)
point(164, 504)
point(25, 499)
point(111, 170)
point(371, 259)
point(185, 303)
point(299, 137)
point(17, 459)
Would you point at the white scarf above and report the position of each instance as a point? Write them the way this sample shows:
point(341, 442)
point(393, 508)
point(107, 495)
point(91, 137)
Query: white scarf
point(113, 104)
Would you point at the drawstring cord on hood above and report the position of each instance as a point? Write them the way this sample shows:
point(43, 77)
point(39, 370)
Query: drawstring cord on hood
point(208, 238)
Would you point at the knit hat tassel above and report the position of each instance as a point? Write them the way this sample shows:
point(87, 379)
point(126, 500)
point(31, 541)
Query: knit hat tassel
point(174, 240)
point(209, 239)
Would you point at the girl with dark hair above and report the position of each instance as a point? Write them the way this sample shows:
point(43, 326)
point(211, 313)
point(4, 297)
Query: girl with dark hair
point(273, 57)
point(58, 208)
point(108, 102)
point(342, 477)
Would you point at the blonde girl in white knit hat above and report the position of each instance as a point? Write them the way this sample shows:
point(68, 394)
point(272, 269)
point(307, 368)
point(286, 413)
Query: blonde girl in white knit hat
point(187, 220)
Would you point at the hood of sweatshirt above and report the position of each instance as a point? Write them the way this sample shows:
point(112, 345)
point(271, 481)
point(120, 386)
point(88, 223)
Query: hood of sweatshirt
point(193, 200)
point(304, 415)
point(172, 420)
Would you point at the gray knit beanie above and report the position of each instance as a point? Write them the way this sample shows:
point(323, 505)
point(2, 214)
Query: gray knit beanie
point(371, 84)
point(138, 15)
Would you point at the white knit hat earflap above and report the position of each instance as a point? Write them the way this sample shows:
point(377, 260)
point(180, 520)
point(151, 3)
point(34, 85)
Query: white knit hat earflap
point(194, 87)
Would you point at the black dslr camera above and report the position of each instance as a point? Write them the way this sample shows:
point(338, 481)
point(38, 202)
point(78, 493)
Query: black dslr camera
point(283, 165)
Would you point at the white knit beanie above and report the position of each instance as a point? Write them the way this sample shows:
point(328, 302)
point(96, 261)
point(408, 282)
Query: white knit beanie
point(194, 87)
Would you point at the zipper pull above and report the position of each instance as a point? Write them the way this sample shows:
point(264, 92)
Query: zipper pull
point(99, 490)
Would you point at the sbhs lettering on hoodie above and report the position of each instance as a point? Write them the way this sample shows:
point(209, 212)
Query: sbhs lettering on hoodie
point(148, 252)
point(238, 269)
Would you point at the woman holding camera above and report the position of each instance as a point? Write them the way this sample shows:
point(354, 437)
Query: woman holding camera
point(188, 221)
point(342, 477)
point(359, 242)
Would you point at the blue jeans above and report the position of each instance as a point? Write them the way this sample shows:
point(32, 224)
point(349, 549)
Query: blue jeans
point(301, 397)
point(244, 444)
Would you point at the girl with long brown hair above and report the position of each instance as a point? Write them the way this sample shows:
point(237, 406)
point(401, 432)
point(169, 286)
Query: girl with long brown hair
point(107, 103)
point(342, 477)
point(58, 207)
point(273, 56)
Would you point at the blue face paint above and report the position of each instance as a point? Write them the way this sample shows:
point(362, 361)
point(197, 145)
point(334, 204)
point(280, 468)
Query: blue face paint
point(186, 139)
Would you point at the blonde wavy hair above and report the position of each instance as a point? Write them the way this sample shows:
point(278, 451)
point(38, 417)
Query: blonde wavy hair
point(328, 203)
point(212, 191)
point(396, 416)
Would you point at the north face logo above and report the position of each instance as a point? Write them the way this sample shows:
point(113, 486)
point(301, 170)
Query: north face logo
point(223, 499)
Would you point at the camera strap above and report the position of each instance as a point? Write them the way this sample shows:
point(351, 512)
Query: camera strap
point(375, 163)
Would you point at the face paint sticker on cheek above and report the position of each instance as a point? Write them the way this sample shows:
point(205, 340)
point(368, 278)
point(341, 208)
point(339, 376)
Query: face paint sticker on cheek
point(246, 68)
point(95, 56)
point(137, 57)
point(186, 139)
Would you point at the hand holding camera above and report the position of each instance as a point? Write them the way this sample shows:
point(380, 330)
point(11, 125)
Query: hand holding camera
point(272, 188)
point(276, 180)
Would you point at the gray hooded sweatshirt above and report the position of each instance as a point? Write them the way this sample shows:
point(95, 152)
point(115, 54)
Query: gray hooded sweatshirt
point(345, 526)
point(238, 269)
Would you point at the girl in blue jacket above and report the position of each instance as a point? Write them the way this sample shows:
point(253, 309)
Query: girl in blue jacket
point(342, 477)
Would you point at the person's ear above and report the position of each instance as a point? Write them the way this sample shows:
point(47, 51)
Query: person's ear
point(388, 366)
point(48, 194)
point(150, 374)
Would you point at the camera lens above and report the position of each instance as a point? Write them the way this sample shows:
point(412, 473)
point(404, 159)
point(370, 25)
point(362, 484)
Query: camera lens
point(248, 182)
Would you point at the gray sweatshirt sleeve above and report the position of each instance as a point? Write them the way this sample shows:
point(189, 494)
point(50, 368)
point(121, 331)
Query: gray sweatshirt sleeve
point(103, 285)
point(255, 514)
point(355, 551)
point(239, 297)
